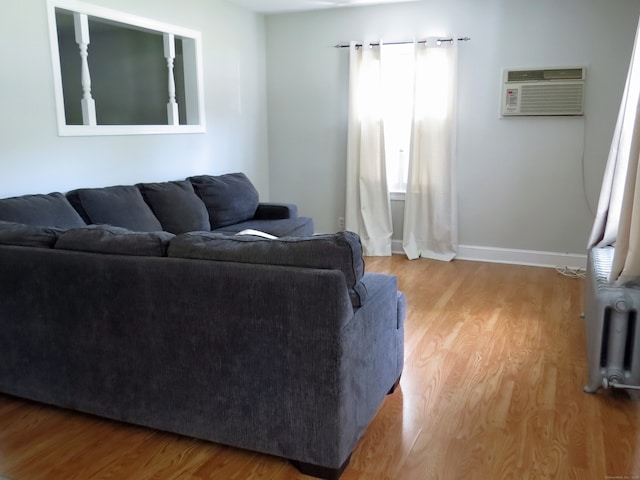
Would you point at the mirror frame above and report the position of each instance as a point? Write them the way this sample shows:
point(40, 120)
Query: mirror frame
point(192, 46)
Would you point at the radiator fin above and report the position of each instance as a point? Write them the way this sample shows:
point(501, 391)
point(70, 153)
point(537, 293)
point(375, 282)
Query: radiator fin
point(606, 327)
point(629, 350)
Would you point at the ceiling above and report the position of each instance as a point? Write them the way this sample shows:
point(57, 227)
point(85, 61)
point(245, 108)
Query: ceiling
point(280, 6)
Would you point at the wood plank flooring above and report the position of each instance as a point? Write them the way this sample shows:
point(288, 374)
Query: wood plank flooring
point(492, 389)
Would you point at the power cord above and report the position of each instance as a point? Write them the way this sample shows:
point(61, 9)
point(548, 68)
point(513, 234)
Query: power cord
point(571, 272)
point(583, 169)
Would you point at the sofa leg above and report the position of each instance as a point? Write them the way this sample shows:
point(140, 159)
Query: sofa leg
point(395, 386)
point(321, 472)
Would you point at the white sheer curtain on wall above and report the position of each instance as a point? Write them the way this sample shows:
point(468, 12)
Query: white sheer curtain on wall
point(368, 209)
point(617, 220)
point(430, 212)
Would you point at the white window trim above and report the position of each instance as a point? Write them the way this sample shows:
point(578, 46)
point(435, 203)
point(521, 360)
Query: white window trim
point(195, 110)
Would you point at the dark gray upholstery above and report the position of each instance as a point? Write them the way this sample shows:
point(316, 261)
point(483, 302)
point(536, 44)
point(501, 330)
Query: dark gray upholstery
point(176, 206)
point(268, 358)
point(52, 210)
point(274, 211)
point(229, 198)
point(121, 206)
point(28, 235)
point(340, 251)
point(284, 227)
point(284, 346)
point(115, 240)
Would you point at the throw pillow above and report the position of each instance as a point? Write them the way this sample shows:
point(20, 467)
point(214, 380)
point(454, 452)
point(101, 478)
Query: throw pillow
point(176, 205)
point(52, 210)
point(340, 251)
point(121, 206)
point(229, 198)
point(28, 235)
point(115, 240)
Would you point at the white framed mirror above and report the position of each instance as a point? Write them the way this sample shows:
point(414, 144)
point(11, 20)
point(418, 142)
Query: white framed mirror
point(120, 74)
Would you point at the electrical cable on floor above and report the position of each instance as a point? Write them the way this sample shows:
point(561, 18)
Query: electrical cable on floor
point(571, 272)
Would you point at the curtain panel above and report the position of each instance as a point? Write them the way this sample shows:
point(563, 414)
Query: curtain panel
point(617, 220)
point(368, 208)
point(430, 212)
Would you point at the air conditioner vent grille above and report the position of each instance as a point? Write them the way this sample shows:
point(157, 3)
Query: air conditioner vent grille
point(545, 74)
point(563, 99)
point(525, 75)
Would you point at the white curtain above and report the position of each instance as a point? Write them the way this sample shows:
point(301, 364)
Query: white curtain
point(618, 215)
point(430, 212)
point(368, 209)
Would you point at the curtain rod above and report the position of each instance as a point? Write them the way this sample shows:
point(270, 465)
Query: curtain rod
point(439, 41)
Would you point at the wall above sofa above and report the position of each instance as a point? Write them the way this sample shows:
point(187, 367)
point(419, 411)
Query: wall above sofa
point(33, 158)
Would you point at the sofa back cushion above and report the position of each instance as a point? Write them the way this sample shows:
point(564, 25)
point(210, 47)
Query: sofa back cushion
point(340, 251)
point(229, 198)
point(52, 210)
point(176, 206)
point(121, 206)
point(114, 240)
point(28, 235)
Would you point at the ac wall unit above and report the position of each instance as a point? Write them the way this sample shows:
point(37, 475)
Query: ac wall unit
point(543, 91)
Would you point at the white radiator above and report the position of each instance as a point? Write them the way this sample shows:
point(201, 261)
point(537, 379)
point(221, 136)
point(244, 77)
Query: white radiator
point(613, 335)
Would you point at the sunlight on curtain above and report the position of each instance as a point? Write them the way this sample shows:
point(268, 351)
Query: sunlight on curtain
point(398, 73)
point(430, 214)
point(618, 216)
point(368, 209)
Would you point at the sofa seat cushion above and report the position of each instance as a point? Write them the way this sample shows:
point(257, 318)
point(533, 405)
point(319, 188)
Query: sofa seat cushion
point(114, 240)
point(28, 235)
point(121, 206)
point(340, 251)
point(52, 210)
point(229, 198)
point(176, 206)
point(287, 227)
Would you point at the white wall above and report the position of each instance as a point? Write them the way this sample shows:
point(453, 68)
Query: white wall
point(520, 180)
point(33, 159)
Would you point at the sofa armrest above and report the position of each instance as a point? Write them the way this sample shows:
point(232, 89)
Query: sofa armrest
point(274, 211)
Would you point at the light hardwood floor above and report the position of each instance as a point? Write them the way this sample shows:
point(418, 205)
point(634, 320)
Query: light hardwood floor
point(492, 389)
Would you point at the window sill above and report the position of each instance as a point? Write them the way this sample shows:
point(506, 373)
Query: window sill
point(397, 196)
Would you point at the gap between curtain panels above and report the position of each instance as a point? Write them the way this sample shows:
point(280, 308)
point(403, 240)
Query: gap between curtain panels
point(438, 41)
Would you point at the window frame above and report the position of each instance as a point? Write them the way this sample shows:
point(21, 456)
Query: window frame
point(192, 44)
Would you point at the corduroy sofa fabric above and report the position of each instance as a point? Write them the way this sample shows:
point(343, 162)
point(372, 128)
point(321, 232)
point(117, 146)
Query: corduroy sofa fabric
point(120, 206)
point(27, 235)
point(340, 251)
point(176, 206)
point(229, 198)
point(52, 210)
point(114, 240)
point(283, 346)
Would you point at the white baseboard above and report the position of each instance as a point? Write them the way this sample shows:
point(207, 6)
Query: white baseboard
point(513, 256)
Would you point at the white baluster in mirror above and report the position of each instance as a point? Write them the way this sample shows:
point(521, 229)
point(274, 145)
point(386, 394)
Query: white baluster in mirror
point(81, 24)
point(170, 55)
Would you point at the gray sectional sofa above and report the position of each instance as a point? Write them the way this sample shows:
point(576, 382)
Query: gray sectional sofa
point(128, 306)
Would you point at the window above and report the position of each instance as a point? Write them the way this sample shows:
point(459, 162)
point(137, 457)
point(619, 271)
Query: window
point(397, 78)
point(118, 74)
